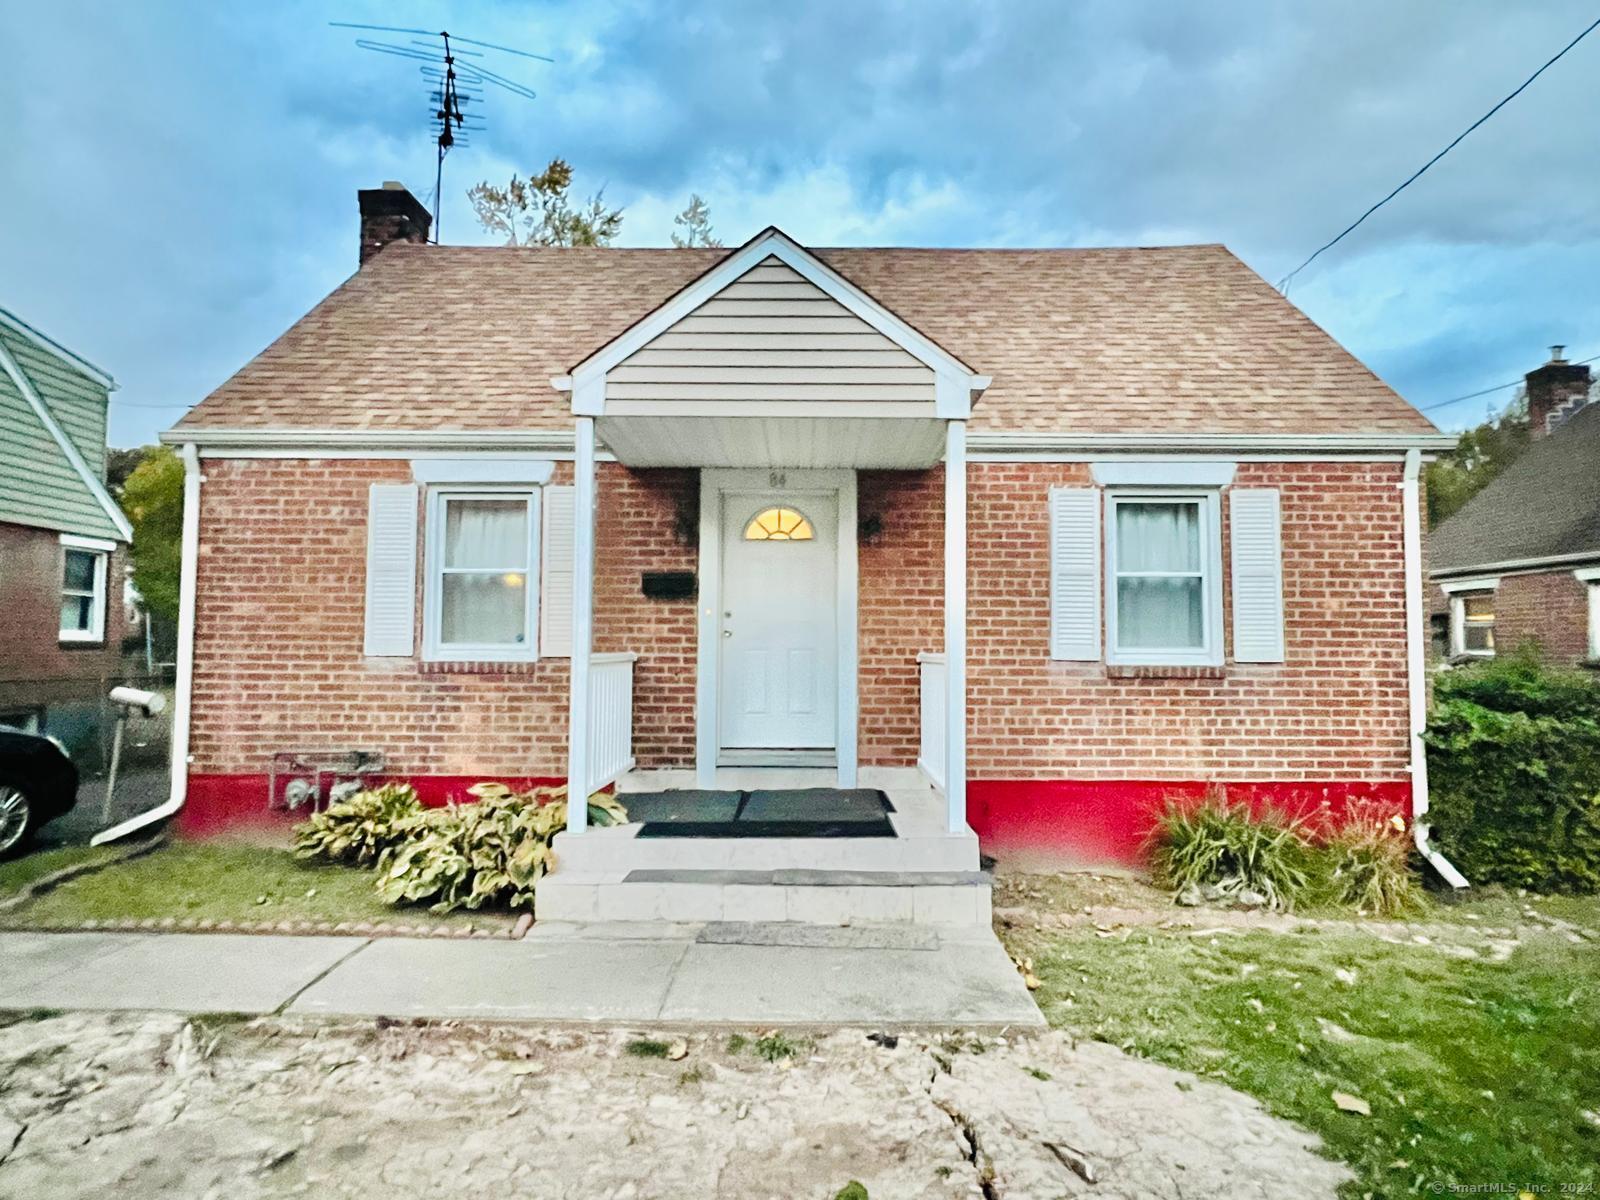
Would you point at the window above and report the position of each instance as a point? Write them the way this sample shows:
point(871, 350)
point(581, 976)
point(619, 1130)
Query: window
point(1472, 623)
point(779, 525)
point(482, 557)
point(83, 589)
point(1163, 579)
point(1589, 577)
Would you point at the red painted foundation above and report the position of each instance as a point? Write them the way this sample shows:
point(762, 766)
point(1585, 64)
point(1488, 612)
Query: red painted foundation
point(1107, 822)
point(1049, 822)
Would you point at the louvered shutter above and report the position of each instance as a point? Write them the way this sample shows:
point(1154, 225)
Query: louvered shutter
point(555, 582)
point(1255, 530)
point(391, 569)
point(1075, 574)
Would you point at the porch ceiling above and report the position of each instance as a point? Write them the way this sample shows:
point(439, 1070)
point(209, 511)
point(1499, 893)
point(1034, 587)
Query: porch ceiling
point(907, 443)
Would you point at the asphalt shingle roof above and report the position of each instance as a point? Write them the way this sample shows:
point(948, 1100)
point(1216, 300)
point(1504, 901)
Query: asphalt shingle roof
point(1544, 505)
point(1158, 340)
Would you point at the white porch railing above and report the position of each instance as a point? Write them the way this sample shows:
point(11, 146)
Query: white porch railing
point(610, 717)
point(930, 753)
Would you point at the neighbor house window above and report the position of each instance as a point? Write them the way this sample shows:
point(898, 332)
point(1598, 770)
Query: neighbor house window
point(1589, 577)
point(1472, 623)
point(482, 554)
point(1163, 579)
point(84, 566)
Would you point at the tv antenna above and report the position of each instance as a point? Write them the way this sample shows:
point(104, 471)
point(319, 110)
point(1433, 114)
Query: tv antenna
point(452, 85)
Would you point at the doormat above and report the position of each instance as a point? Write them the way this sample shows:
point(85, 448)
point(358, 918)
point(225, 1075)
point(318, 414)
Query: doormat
point(796, 813)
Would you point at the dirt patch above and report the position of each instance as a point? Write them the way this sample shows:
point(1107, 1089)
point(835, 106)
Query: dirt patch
point(159, 1106)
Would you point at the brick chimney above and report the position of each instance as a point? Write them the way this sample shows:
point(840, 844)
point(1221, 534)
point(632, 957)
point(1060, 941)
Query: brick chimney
point(1555, 391)
point(390, 214)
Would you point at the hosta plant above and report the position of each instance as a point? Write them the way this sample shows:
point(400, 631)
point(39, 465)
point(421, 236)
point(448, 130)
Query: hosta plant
point(357, 830)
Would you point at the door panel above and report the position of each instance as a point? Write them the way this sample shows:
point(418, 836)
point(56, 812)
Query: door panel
point(779, 624)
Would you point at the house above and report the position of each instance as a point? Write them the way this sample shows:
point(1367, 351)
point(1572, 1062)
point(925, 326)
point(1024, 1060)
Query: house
point(1520, 562)
point(1027, 539)
point(63, 542)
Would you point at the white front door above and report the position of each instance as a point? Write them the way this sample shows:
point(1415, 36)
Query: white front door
point(778, 624)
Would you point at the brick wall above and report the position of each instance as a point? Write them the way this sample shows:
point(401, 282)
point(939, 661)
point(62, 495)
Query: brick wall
point(1336, 709)
point(1549, 608)
point(278, 632)
point(279, 628)
point(36, 668)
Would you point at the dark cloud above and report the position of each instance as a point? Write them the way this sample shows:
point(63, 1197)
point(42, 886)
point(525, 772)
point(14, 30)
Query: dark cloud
point(178, 178)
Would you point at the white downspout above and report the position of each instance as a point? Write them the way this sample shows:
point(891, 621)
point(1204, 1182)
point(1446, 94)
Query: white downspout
point(184, 685)
point(1417, 672)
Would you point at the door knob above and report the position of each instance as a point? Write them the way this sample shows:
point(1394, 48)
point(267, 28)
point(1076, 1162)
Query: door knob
point(727, 633)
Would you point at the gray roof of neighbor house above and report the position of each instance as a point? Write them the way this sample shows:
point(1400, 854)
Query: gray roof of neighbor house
point(1156, 340)
point(53, 436)
point(1544, 505)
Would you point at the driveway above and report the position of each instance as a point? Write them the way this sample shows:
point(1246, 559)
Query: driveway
point(159, 1107)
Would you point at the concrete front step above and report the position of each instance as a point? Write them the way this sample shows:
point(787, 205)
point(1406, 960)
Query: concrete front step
point(947, 899)
point(617, 851)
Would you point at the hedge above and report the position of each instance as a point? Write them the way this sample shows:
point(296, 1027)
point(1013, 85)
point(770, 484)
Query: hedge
point(1514, 774)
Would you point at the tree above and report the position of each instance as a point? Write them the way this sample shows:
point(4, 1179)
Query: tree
point(121, 463)
point(538, 211)
point(695, 221)
point(153, 500)
point(1481, 454)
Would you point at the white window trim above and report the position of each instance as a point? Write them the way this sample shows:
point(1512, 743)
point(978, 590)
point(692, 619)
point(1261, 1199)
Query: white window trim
point(1208, 655)
point(1458, 590)
point(1590, 578)
point(433, 649)
point(101, 548)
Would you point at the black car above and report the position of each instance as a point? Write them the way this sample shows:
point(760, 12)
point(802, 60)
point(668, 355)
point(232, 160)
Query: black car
point(38, 782)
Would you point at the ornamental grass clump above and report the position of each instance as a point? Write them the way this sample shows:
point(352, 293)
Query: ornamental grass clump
point(355, 832)
point(1224, 850)
point(1366, 864)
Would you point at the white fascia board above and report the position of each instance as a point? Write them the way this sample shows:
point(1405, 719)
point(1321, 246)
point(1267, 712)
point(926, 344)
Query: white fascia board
point(17, 325)
point(773, 243)
point(1332, 444)
point(1482, 583)
point(93, 482)
point(76, 542)
point(1518, 565)
point(311, 440)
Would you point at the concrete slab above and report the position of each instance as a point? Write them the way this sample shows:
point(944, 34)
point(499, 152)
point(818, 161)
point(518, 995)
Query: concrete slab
point(166, 972)
point(572, 979)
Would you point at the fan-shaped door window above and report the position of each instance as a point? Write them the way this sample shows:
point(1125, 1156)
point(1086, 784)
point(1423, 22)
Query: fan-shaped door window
point(779, 525)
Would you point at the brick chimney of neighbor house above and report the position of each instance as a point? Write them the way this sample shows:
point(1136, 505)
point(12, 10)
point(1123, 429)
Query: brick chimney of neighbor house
point(390, 214)
point(1555, 391)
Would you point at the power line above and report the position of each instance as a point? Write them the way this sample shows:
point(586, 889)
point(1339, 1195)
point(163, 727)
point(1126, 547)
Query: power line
point(1283, 284)
point(1499, 387)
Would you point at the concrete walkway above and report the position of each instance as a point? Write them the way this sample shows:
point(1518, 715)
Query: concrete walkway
point(604, 974)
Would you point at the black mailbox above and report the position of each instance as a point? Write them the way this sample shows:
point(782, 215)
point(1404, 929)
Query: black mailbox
point(667, 585)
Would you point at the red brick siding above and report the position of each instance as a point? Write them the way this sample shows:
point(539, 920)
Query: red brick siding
point(36, 667)
point(1548, 608)
point(278, 632)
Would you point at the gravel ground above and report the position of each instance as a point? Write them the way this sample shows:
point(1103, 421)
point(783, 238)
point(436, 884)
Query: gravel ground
point(136, 1106)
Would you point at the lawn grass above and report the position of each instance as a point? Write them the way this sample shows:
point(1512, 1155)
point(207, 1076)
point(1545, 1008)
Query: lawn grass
point(1477, 1073)
point(221, 881)
point(18, 873)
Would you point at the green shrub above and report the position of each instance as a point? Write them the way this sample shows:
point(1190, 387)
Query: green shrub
point(1221, 843)
point(489, 852)
point(356, 831)
point(1514, 773)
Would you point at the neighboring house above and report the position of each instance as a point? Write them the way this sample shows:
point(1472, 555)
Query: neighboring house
point(1520, 562)
point(1061, 531)
point(63, 541)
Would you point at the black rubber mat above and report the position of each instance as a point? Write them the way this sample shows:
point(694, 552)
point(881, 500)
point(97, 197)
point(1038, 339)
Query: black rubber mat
point(798, 813)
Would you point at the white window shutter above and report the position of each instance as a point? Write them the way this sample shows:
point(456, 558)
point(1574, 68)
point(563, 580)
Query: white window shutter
point(1257, 552)
point(391, 569)
point(555, 582)
point(1075, 574)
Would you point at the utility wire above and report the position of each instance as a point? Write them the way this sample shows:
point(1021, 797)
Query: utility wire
point(1499, 387)
point(1283, 284)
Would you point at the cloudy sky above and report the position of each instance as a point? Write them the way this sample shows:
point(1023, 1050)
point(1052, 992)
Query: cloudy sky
point(179, 179)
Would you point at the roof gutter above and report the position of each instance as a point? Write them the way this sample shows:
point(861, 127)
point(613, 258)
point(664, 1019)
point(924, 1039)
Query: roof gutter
point(1416, 672)
point(185, 681)
point(1518, 564)
point(370, 439)
point(1330, 443)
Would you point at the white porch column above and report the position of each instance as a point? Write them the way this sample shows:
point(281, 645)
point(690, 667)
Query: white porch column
point(583, 509)
point(955, 622)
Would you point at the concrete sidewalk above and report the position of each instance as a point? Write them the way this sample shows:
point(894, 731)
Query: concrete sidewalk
point(611, 974)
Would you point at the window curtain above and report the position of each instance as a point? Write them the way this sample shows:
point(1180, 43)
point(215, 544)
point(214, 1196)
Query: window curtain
point(485, 585)
point(1159, 612)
